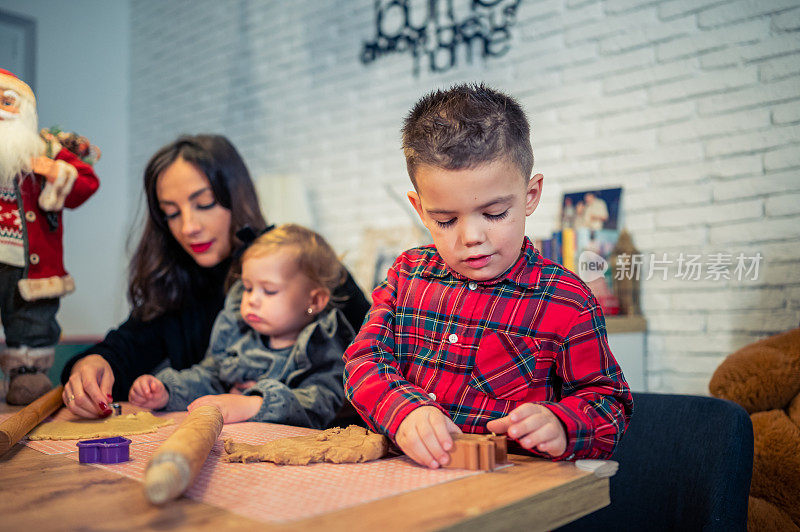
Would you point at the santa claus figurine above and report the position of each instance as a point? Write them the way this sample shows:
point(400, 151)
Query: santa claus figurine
point(34, 188)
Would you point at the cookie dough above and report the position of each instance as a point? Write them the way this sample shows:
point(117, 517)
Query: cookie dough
point(337, 445)
point(137, 423)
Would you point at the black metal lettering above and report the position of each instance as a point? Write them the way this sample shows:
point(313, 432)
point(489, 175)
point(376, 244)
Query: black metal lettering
point(435, 36)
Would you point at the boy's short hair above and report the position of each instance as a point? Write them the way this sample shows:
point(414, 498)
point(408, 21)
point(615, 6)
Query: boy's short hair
point(315, 257)
point(466, 126)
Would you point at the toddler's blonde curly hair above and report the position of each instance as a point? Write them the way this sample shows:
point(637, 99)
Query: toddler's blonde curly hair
point(315, 257)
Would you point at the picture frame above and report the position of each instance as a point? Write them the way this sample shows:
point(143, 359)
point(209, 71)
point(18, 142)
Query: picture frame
point(18, 46)
point(594, 209)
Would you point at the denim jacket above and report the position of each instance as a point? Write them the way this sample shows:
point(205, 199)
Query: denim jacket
point(303, 389)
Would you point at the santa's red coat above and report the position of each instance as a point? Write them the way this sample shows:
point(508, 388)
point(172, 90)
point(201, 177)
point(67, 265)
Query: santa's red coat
point(45, 276)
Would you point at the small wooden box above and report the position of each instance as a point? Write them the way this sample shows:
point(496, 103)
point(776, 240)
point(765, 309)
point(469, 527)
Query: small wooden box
point(478, 452)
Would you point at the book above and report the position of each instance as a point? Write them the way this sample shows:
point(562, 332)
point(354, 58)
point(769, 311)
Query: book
point(555, 245)
point(568, 249)
point(592, 251)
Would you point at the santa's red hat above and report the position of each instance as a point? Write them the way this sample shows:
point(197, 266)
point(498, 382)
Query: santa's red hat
point(10, 81)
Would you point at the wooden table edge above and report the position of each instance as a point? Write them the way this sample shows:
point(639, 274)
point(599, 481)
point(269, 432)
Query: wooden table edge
point(500, 499)
point(469, 503)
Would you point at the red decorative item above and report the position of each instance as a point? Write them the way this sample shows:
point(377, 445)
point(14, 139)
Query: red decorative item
point(38, 180)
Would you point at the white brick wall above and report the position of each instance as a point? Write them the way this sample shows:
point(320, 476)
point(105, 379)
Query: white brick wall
point(692, 105)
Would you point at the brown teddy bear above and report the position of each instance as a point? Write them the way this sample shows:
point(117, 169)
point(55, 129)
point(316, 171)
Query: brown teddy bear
point(764, 377)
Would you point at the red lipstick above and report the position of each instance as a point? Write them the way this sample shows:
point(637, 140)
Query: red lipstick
point(200, 248)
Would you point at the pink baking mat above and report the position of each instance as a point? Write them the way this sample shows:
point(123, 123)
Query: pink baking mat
point(70, 446)
point(269, 493)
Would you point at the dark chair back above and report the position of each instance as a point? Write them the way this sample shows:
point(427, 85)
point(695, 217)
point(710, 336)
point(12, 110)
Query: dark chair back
point(685, 463)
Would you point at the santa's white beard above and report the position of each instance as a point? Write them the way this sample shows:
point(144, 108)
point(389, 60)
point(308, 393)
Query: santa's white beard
point(19, 143)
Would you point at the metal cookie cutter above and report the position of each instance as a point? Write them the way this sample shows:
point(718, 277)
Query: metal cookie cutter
point(117, 408)
point(104, 450)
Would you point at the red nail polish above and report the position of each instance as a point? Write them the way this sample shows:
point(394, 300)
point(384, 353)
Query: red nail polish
point(103, 406)
point(110, 397)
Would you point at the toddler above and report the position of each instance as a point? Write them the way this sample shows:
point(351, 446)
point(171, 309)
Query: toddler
point(276, 347)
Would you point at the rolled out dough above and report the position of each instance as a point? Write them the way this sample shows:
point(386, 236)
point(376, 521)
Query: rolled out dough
point(136, 423)
point(336, 445)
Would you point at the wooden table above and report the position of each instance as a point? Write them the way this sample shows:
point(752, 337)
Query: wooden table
point(52, 492)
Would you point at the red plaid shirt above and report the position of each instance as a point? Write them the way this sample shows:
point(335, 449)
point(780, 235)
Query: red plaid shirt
point(477, 350)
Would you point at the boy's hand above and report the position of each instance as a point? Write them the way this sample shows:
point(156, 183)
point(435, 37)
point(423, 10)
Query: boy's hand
point(148, 392)
point(234, 407)
point(532, 426)
point(424, 435)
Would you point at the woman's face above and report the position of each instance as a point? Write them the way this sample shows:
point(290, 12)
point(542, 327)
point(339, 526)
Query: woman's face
point(197, 221)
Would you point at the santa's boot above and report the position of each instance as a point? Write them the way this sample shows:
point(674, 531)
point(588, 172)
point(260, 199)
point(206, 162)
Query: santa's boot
point(25, 369)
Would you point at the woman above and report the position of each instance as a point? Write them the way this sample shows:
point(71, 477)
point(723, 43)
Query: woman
point(199, 194)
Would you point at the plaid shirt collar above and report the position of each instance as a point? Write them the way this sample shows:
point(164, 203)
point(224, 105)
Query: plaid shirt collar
point(525, 272)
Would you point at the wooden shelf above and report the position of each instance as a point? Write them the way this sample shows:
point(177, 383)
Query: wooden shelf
point(625, 324)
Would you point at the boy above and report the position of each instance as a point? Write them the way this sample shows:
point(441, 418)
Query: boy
point(478, 332)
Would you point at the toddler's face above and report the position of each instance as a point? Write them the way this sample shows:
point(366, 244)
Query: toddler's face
point(276, 297)
point(476, 216)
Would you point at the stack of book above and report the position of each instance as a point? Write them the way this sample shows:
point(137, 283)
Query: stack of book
point(588, 235)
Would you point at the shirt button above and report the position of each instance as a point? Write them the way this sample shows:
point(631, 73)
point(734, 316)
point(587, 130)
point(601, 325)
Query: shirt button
point(432, 396)
point(452, 338)
point(34, 258)
point(472, 285)
point(30, 216)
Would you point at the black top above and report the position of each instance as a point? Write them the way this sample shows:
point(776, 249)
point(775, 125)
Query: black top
point(180, 337)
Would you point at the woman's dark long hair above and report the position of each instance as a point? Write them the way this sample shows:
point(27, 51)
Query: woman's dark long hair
point(161, 272)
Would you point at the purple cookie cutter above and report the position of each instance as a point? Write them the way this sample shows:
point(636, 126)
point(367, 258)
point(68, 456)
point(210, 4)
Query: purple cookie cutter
point(104, 450)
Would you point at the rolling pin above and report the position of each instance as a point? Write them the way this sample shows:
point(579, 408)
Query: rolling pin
point(14, 428)
point(177, 462)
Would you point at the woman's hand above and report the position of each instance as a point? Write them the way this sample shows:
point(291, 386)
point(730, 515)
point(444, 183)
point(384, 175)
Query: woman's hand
point(88, 390)
point(234, 407)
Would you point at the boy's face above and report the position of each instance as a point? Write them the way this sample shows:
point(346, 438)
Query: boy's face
point(476, 216)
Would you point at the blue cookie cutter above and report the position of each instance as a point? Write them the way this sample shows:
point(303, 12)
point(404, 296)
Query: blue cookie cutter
point(104, 450)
